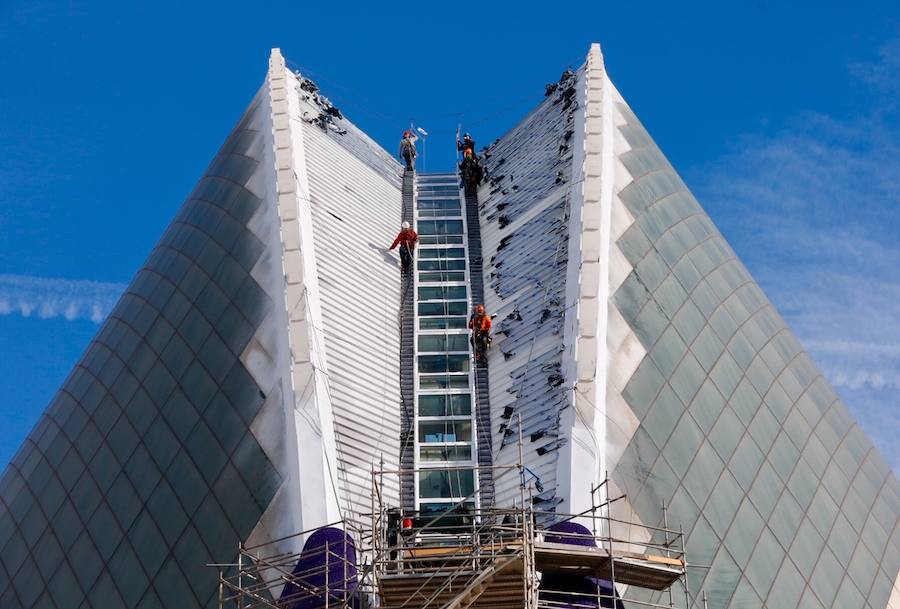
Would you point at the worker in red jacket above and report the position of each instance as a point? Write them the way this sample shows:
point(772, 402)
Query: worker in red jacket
point(406, 239)
point(480, 325)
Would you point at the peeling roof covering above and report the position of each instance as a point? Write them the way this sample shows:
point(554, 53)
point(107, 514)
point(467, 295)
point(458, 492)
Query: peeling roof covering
point(320, 112)
point(524, 229)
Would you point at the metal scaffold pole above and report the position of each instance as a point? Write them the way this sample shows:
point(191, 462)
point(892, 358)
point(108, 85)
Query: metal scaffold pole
point(374, 541)
point(687, 592)
point(240, 576)
point(459, 558)
point(612, 561)
point(666, 529)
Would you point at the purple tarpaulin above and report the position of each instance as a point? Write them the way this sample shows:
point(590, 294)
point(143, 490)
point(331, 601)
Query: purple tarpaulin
point(328, 557)
point(566, 590)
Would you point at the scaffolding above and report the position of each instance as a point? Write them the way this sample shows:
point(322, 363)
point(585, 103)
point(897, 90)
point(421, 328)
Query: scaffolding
point(464, 557)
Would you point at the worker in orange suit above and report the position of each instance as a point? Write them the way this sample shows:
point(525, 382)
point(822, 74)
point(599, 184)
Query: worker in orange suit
point(480, 325)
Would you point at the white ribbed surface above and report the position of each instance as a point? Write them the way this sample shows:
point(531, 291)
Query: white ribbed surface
point(356, 213)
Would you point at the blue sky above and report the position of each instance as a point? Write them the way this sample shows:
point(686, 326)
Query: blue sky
point(782, 119)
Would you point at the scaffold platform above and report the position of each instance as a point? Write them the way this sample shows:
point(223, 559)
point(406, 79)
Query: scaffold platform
point(465, 557)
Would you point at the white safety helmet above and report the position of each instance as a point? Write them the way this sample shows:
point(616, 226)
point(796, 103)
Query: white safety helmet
point(405, 225)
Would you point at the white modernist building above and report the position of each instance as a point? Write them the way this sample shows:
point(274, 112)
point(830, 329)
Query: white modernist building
point(256, 371)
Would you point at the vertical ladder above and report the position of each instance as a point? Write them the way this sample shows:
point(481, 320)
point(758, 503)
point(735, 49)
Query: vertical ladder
point(407, 365)
point(482, 394)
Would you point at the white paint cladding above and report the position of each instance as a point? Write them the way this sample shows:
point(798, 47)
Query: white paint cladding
point(267, 354)
point(332, 205)
point(581, 460)
point(619, 347)
point(624, 349)
point(355, 201)
point(294, 426)
point(525, 207)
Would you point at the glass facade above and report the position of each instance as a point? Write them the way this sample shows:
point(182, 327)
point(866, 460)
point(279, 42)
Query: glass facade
point(143, 469)
point(445, 419)
point(780, 492)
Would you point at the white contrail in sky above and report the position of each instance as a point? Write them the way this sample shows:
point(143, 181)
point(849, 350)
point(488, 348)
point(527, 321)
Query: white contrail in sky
point(47, 298)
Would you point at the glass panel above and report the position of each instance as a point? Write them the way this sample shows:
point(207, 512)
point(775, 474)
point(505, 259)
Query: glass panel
point(443, 342)
point(456, 292)
point(442, 323)
point(723, 579)
point(432, 277)
point(642, 388)
point(439, 213)
point(445, 431)
point(444, 363)
point(440, 240)
point(440, 227)
point(788, 588)
point(448, 252)
point(434, 342)
point(743, 535)
point(442, 265)
point(445, 453)
point(457, 517)
point(444, 381)
point(764, 562)
point(446, 484)
point(445, 405)
point(438, 204)
point(438, 189)
point(443, 308)
point(428, 511)
point(826, 577)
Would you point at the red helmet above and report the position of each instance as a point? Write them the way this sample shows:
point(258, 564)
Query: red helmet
point(406, 134)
